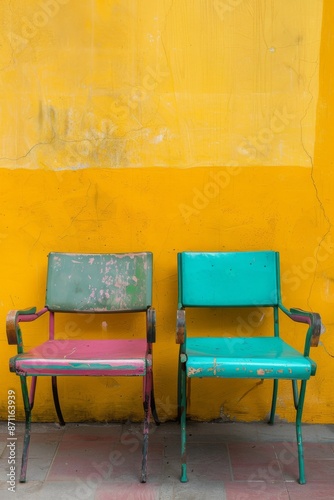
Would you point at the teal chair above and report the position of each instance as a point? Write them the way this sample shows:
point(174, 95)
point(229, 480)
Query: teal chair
point(235, 280)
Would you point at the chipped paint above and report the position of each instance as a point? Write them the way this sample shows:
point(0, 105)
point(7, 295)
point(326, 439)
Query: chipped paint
point(113, 282)
point(194, 371)
point(260, 371)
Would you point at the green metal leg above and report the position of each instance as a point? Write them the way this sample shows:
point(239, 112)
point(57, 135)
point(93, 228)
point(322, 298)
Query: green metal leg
point(28, 404)
point(183, 411)
point(273, 403)
point(300, 405)
point(179, 389)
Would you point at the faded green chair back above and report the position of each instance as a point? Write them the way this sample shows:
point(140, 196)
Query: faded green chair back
point(99, 282)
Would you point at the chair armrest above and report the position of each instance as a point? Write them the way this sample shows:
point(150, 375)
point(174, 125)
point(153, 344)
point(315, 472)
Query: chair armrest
point(180, 326)
point(310, 318)
point(151, 325)
point(14, 317)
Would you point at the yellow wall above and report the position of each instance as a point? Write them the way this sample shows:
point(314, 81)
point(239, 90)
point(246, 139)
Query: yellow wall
point(166, 126)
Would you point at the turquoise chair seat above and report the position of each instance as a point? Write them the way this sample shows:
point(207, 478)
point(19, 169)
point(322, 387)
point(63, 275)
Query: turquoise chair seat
point(255, 357)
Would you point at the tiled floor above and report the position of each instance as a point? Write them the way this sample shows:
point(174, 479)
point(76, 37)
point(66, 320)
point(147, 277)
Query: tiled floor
point(233, 461)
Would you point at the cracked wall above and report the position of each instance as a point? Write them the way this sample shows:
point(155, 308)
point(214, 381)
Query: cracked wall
point(102, 105)
point(191, 83)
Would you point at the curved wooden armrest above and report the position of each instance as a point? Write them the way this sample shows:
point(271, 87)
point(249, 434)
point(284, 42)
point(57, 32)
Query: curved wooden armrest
point(180, 326)
point(313, 320)
point(151, 324)
point(13, 319)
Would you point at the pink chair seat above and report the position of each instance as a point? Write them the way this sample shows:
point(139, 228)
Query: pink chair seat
point(85, 357)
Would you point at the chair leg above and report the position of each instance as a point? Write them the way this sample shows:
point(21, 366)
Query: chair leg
point(299, 403)
point(56, 400)
point(183, 419)
point(147, 407)
point(153, 407)
point(28, 401)
point(273, 403)
point(179, 388)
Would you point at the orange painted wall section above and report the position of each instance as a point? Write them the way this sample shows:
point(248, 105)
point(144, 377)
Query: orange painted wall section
point(167, 126)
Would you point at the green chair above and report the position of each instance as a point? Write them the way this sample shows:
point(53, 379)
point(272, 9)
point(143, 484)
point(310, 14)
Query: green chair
point(105, 284)
point(235, 280)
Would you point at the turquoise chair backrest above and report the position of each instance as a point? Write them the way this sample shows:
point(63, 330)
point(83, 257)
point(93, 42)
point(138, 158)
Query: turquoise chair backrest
point(99, 282)
point(213, 279)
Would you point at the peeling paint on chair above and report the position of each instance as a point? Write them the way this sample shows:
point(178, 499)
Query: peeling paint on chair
point(89, 283)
